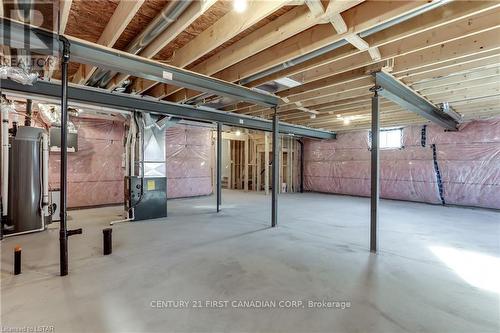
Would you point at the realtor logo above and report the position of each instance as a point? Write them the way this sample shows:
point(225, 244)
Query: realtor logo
point(23, 45)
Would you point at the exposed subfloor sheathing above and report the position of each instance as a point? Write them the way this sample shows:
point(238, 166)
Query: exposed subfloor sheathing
point(318, 252)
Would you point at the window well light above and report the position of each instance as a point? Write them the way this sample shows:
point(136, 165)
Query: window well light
point(240, 5)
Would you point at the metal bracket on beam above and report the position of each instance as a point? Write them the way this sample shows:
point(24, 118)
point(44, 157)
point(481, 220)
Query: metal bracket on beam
point(399, 93)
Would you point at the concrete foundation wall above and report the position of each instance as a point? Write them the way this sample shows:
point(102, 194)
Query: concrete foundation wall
point(468, 161)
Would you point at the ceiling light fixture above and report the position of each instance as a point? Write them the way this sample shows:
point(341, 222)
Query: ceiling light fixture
point(240, 5)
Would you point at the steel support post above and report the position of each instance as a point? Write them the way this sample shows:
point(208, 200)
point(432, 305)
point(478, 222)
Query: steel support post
point(375, 171)
point(276, 169)
point(63, 227)
point(219, 166)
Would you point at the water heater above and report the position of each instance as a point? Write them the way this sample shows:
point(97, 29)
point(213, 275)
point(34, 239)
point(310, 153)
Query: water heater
point(25, 204)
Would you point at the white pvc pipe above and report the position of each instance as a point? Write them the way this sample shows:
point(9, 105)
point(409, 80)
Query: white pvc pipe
point(5, 159)
point(45, 173)
point(127, 219)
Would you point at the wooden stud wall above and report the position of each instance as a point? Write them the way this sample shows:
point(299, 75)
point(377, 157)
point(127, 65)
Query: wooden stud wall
point(249, 154)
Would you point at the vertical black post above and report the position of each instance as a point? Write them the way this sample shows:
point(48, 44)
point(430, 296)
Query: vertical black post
point(219, 166)
point(375, 171)
point(107, 242)
point(17, 260)
point(29, 112)
point(63, 232)
point(276, 169)
point(301, 142)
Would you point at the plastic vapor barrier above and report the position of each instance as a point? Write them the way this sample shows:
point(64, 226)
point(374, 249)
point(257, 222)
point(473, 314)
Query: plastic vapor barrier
point(465, 165)
point(95, 172)
point(189, 158)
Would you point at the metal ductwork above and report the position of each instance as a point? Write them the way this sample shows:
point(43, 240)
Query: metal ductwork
point(167, 16)
point(336, 45)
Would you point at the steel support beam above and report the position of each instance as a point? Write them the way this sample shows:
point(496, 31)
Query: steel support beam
point(276, 169)
point(128, 102)
point(375, 171)
point(19, 35)
point(396, 91)
point(219, 166)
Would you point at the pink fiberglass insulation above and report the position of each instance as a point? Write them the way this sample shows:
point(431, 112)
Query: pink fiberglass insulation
point(95, 172)
point(468, 161)
point(189, 156)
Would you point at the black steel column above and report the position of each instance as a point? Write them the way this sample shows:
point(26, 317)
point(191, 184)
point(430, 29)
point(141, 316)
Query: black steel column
point(219, 166)
point(276, 169)
point(375, 171)
point(63, 230)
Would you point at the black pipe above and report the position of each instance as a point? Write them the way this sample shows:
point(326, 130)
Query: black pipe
point(17, 260)
point(219, 166)
point(13, 130)
point(29, 112)
point(276, 169)
point(301, 142)
point(107, 241)
point(63, 229)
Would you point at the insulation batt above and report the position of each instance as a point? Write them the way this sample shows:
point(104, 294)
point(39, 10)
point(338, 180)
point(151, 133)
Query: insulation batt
point(96, 174)
point(469, 162)
point(189, 152)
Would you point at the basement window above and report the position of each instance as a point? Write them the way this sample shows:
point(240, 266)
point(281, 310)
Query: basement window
point(390, 138)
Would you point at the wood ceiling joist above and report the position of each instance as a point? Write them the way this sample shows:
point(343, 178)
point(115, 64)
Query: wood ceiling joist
point(442, 45)
point(454, 78)
point(285, 26)
point(439, 94)
point(316, 7)
point(489, 78)
point(461, 65)
point(122, 16)
point(359, 18)
point(64, 10)
point(191, 14)
point(229, 26)
point(445, 15)
point(461, 26)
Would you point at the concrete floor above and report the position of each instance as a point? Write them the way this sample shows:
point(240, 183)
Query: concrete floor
point(318, 252)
